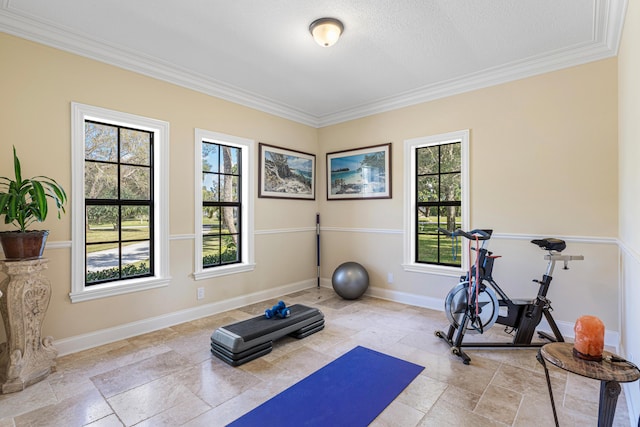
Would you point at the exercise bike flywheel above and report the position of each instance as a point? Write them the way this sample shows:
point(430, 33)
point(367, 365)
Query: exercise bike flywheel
point(456, 306)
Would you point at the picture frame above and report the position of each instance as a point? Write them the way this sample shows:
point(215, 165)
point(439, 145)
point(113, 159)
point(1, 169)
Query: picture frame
point(286, 173)
point(363, 173)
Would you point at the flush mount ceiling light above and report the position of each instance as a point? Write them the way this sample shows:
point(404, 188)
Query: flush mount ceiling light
point(326, 31)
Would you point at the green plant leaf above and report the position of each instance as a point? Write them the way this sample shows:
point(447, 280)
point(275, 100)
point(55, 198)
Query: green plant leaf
point(39, 200)
point(25, 202)
point(16, 166)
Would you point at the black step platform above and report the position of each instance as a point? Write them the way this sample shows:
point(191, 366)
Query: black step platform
point(244, 341)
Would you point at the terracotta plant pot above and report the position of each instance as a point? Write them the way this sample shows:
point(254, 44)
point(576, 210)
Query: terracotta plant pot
point(28, 245)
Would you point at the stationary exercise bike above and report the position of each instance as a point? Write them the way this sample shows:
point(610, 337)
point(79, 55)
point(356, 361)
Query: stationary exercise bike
point(473, 307)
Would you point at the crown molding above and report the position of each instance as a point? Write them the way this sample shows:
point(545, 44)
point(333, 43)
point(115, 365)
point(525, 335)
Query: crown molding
point(490, 77)
point(49, 34)
point(608, 23)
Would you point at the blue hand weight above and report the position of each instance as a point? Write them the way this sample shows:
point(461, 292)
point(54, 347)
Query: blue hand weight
point(278, 310)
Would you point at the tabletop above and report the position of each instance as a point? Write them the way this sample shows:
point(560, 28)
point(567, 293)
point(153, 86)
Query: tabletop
point(561, 355)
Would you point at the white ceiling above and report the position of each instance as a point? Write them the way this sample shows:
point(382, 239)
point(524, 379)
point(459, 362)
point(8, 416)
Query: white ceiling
point(393, 53)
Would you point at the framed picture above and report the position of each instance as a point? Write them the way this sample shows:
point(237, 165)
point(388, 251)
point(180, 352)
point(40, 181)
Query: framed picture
point(364, 173)
point(286, 174)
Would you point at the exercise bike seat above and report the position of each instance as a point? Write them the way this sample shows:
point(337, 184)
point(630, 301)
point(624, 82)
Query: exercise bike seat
point(550, 244)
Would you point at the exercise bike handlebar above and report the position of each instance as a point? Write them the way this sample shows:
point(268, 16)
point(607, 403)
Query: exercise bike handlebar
point(471, 235)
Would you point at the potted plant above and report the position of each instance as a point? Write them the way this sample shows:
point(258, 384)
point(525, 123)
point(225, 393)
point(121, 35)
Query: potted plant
point(23, 202)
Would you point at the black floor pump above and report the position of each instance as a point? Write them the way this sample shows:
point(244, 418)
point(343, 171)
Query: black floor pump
point(472, 305)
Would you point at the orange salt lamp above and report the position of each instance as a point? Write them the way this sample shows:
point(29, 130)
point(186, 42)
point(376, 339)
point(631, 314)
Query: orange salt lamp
point(589, 342)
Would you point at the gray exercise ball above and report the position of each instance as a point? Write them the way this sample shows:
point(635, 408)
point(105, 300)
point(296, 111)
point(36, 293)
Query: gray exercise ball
point(350, 280)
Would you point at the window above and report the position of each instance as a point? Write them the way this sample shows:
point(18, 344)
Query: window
point(224, 213)
point(120, 232)
point(221, 207)
point(118, 177)
point(436, 182)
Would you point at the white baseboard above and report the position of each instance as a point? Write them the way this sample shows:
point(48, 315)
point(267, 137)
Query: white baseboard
point(397, 296)
point(105, 336)
point(611, 338)
point(630, 392)
point(406, 298)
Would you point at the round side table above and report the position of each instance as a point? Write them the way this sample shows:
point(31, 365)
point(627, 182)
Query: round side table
point(611, 371)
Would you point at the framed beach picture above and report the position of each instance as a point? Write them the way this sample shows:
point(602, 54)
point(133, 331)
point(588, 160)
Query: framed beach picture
point(286, 174)
point(363, 173)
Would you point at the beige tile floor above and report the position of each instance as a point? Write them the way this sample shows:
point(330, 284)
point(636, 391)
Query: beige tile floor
point(169, 378)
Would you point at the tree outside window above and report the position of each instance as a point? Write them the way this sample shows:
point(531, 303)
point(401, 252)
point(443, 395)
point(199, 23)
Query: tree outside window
point(438, 201)
point(224, 192)
point(221, 204)
point(437, 196)
point(118, 176)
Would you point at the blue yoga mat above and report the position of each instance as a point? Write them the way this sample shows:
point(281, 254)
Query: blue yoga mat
point(350, 391)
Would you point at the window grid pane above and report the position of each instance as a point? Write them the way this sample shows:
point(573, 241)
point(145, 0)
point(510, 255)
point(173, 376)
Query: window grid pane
point(438, 201)
point(221, 210)
point(118, 203)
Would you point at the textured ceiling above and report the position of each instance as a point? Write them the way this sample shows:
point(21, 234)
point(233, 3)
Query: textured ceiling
point(393, 53)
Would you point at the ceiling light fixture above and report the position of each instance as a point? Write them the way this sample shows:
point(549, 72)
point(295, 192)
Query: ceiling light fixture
point(326, 31)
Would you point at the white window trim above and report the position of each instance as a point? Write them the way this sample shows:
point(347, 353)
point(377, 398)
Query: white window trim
point(247, 235)
point(410, 146)
point(160, 129)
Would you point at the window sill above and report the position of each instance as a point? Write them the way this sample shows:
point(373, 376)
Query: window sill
point(118, 288)
point(433, 269)
point(223, 271)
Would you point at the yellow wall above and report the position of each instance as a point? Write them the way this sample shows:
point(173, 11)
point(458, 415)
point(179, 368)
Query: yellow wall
point(543, 163)
point(543, 152)
point(629, 130)
point(543, 156)
point(37, 85)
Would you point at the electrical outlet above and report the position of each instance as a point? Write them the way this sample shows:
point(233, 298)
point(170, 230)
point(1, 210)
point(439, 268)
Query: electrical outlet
point(200, 293)
point(389, 277)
